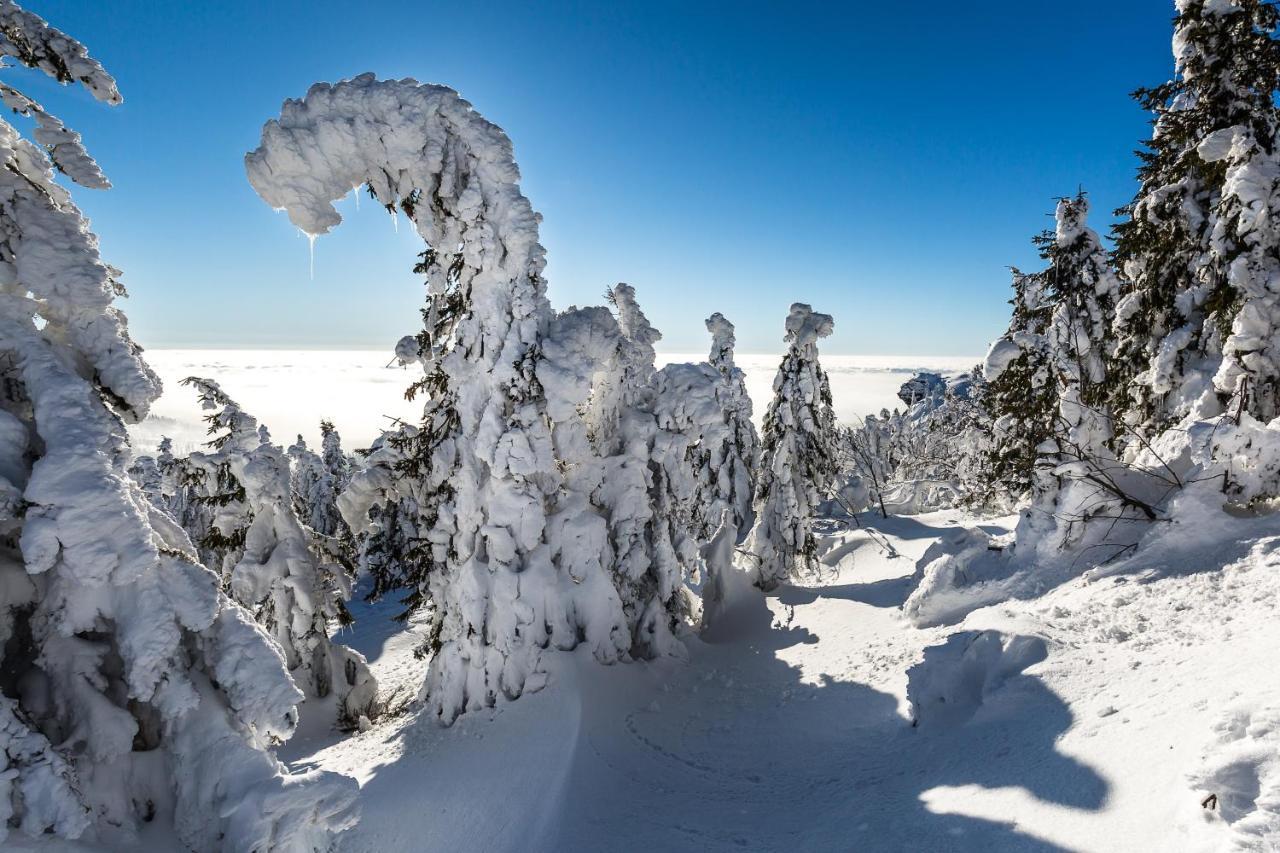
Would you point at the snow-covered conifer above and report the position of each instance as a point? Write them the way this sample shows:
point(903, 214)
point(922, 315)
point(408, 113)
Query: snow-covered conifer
point(1021, 395)
point(932, 456)
point(798, 455)
point(133, 688)
point(317, 479)
point(1188, 246)
point(146, 473)
point(384, 521)
point(727, 467)
point(1077, 474)
point(306, 472)
point(481, 469)
point(640, 425)
point(271, 563)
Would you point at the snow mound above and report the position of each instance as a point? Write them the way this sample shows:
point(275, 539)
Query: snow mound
point(956, 679)
point(1240, 776)
point(958, 574)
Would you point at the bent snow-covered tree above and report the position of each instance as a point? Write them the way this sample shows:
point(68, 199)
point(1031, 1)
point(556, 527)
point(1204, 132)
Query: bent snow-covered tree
point(131, 687)
point(482, 469)
point(798, 456)
point(273, 565)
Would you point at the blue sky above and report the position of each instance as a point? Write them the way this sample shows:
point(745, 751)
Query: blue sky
point(884, 161)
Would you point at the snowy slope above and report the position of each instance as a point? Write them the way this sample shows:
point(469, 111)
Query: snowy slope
point(1075, 721)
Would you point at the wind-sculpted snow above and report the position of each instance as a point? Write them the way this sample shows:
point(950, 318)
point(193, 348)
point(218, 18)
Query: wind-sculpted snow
point(30, 40)
point(47, 252)
point(956, 679)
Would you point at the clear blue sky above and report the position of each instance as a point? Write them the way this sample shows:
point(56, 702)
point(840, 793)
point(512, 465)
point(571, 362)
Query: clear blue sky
point(884, 161)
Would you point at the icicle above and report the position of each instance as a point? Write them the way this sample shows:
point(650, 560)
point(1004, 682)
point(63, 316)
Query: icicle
point(311, 242)
point(395, 221)
point(355, 191)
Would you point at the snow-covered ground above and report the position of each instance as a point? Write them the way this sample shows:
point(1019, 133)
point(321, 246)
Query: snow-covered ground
point(1094, 718)
point(291, 390)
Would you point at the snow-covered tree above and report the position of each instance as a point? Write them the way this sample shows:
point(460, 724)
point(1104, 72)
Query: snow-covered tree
point(1078, 476)
point(146, 473)
point(272, 564)
point(316, 480)
point(933, 455)
point(798, 455)
point(1021, 395)
point(384, 522)
point(1181, 247)
point(175, 490)
point(131, 687)
point(727, 464)
point(482, 471)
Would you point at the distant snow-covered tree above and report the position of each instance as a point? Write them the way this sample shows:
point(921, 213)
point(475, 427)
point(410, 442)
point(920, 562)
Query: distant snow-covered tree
point(384, 522)
point(272, 564)
point(317, 479)
point(727, 465)
point(481, 469)
point(934, 455)
point(131, 688)
point(798, 455)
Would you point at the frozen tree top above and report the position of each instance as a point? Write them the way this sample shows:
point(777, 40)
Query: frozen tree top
point(722, 339)
point(1072, 217)
point(635, 325)
point(407, 140)
point(1211, 7)
point(805, 326)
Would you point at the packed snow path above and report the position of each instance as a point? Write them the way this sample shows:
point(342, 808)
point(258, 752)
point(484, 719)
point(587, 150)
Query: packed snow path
point(790, 727)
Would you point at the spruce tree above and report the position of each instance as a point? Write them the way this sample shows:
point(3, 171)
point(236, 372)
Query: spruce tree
point(1077, 474)
point(1177, 247)
point(797, 456)
point(727, 465)
point(383, 520)
point(1021, 395)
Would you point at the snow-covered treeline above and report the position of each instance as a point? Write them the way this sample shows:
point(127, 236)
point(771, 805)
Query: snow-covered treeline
point(1135, 388)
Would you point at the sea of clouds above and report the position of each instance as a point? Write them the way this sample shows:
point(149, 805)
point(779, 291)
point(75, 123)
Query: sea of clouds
point(362, 391)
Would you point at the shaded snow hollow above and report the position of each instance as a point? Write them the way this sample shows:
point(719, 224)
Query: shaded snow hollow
point(1094, 718)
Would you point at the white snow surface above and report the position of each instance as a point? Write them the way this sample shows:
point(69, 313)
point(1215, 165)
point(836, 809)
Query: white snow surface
point(292, 390)
point(1097, 717)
